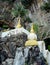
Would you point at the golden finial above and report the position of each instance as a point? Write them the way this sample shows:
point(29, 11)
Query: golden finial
point(32, 30)
point(19, 24)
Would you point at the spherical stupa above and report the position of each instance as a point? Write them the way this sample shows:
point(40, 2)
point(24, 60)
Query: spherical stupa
point(32, 38)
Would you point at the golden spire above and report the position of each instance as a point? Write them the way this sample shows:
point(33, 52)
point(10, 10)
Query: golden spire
point(32, 30)
point(19, 24)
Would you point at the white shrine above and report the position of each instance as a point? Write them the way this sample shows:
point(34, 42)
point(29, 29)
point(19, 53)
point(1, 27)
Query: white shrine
point(32, 38)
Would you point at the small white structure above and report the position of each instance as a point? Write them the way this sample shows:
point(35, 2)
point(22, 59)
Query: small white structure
point(18, 29)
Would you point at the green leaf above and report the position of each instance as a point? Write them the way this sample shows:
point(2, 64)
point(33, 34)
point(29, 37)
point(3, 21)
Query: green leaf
point(19, 10)
point(46, 7)
point(27, 3)
point(35, 27)
point(49, 47)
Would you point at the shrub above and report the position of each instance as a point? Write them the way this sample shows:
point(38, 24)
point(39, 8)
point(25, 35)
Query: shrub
point(46, 7)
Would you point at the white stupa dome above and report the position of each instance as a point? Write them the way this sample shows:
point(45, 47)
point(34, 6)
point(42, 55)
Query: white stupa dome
point(32, 35)
point(32, 38)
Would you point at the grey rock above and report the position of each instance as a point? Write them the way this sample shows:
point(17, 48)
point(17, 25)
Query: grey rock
point(12, 48)
point(35, 56)
point(4, 63)
point(4, 39)
point(9, 61)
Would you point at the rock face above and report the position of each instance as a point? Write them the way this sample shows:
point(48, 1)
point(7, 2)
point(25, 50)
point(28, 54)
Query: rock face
point(3, 54)
point(10, 44)
point(32, 57)
point(19, 39)
point(19, 57)
point(15, 41)
point(8, 62)
point(35, 57)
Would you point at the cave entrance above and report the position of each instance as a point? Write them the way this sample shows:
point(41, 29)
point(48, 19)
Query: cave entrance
point(47, 43)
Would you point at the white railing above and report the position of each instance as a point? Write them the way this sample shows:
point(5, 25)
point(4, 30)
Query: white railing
point(14, 32)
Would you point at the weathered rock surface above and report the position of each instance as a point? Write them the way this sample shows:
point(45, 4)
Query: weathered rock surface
point(9, 44)
point(8, 62)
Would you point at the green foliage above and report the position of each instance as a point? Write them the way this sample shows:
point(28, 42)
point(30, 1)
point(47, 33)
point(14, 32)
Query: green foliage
point(35, 27)
point(26, 64)
point(19, 10)
point(49, 47)
point(5, 26)
point(44, 34)
point(28, 20)
point(46, 7)
point(27, 3)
